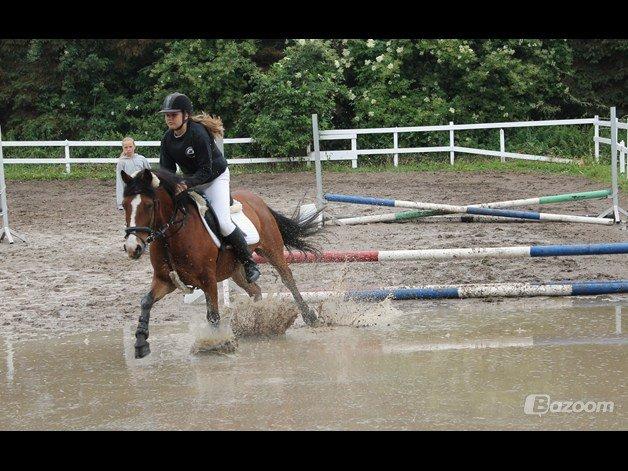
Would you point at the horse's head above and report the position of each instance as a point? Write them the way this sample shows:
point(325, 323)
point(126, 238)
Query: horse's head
point(139, 204)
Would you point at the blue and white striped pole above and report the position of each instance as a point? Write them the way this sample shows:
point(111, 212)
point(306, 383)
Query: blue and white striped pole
point(472, 209)
point(498, 290)
point(587, 288)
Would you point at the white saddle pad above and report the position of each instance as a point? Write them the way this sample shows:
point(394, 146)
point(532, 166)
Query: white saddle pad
point(237, 217)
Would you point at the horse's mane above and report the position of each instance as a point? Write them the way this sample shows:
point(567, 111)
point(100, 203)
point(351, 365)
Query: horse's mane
point(167, 180)
point(212, 123)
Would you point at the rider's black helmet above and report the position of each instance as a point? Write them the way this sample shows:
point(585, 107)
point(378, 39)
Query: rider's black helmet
point(176, 102)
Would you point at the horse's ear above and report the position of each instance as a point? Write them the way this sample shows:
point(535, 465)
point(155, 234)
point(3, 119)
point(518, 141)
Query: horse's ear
point(146, 176)
point(126, 178)
point(150, 178)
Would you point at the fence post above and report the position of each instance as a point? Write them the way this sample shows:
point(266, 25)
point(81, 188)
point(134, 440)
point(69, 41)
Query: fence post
point(615, 185)
point(5, 230)
point(317, 155)
point(354, 148)
point(67, 156)
point(451, 143)
point(220, 143)
point(502, 145)
point(596, 136)
point(308, 151)
point(622, 159)
point(4, 211)
point(395, 146)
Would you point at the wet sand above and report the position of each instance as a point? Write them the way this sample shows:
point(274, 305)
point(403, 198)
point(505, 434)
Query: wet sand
point(73, 276)
point(70, 302)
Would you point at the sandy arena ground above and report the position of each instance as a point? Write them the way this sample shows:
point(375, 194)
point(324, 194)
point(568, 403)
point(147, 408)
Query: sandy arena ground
point(73, 276)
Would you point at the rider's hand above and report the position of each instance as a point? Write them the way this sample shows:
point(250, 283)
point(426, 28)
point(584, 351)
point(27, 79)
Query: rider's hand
point(180, 187)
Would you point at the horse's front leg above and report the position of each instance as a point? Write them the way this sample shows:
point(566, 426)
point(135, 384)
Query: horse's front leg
point(211, 300)
point(158, 290)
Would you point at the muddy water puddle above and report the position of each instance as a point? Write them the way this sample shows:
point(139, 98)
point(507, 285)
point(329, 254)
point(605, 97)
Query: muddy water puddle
point(441, 367)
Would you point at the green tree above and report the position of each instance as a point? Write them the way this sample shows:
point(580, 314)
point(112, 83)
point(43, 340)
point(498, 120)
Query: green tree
point(216, 74)
point(307, 80)
point(600, 76)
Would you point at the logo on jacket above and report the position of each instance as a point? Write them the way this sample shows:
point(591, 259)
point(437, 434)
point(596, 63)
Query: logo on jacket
point(189, 152)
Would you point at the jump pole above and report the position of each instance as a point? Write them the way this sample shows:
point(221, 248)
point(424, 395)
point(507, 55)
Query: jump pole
point(471, 209)
point(409, 215)
point(459, 254)
point(500, 290)
point(317, 163)
point(616, 210)
point(430, 254)
point(5, 231)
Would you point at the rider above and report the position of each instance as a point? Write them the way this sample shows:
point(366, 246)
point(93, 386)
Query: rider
point(189, 144)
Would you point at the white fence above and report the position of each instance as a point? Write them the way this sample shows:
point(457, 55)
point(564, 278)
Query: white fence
point(618, 149)
point(353, 153)
point(68, 145)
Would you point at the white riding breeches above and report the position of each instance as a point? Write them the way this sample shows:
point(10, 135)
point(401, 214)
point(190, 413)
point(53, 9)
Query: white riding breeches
point(218, 194)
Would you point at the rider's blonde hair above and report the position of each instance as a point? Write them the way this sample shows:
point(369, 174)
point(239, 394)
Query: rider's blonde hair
point(212, 123)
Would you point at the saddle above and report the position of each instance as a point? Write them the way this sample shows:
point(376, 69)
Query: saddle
point(208, 216)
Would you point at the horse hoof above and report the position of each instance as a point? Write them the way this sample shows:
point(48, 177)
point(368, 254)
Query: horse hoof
point(142, 351)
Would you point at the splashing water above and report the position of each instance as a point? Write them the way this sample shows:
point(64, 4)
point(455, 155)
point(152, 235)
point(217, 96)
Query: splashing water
point(210, 339)
point(265, 318)
point(273, 316)
point(339, 312)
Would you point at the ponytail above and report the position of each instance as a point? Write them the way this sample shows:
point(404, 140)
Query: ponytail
point(212, 123)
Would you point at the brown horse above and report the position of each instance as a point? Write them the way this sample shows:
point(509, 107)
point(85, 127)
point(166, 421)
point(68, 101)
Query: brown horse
point(182, 251)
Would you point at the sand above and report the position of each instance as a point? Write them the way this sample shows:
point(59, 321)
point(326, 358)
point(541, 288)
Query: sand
point(73, 276)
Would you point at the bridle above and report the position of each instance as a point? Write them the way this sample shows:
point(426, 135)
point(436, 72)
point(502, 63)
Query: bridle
point(161, 232)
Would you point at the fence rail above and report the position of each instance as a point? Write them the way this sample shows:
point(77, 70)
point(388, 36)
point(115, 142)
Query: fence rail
point(68, 160)
point(352, 154)
point(619, 158)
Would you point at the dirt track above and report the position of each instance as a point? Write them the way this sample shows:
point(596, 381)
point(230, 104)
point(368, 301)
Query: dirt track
point(73, 276)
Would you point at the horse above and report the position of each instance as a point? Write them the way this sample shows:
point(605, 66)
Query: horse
point(182, 252)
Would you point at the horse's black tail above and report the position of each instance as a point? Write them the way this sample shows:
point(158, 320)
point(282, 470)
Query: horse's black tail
point(294, 231)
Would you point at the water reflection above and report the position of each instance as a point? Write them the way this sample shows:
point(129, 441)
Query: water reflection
point(433, 368)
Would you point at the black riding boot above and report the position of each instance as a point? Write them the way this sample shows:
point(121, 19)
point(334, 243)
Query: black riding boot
point(243, 254)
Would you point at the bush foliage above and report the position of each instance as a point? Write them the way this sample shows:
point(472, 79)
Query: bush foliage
point(267, 89)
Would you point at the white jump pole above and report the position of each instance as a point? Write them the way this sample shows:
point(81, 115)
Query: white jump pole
point(615, 210)
point(317, 155)
point(4, 210)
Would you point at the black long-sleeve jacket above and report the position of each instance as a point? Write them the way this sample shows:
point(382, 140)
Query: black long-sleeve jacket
point(195, 152)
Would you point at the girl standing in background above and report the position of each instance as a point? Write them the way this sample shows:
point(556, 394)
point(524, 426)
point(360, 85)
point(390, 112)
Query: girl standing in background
point(130, 162)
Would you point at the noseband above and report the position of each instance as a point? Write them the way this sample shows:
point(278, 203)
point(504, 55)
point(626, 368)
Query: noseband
point(161, 232)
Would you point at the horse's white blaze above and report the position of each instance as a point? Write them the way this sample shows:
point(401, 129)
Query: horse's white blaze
point(131, 243)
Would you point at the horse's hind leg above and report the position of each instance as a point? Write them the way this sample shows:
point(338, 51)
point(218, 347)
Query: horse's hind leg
point(278, 261)
point(252, 289)
point(158, 290)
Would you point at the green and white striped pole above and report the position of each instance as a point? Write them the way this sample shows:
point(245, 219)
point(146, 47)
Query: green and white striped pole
point(409, 215)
